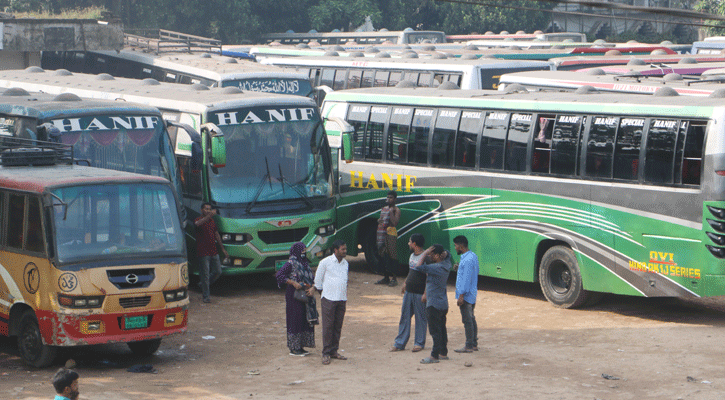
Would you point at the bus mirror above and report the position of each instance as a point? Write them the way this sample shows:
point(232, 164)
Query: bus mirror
point(347, 147)
point(341, 136)
point(320, 92)
point(218, 145)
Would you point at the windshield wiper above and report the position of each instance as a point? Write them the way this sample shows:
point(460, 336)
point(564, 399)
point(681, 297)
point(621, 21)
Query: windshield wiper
point(296, 188)
point(268, 177)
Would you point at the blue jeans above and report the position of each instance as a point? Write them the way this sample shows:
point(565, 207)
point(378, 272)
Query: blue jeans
point(412, 305)
point(469, 323)
point(209, 264)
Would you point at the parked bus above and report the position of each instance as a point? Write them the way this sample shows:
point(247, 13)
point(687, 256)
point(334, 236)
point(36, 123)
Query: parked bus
point(89, 255)
point(347, 73)
point(205, 68)
point(105, 134)
point(576, 37)
point(658, 70)
point(583, 62)
point(582, 193)
point(406, 36)
point(711, 45)
point(264, 164)
point(598, 80)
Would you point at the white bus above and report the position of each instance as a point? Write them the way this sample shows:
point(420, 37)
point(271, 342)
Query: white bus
point(350, 72)
point(406, 36)
point(205, 68)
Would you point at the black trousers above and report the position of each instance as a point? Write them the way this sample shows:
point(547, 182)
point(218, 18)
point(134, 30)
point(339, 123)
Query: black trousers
point(333, 313)
point(437, 328)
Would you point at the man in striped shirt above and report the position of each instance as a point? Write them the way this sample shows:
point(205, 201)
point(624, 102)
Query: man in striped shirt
point(331, 280)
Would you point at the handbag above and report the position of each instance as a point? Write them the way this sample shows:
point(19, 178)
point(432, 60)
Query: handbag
point(300, 295)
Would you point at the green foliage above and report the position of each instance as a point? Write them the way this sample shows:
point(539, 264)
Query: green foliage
point(342, 14)
point(713, 7)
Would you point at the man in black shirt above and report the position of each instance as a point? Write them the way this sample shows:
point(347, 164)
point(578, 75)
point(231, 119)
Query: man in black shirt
point(413, 290)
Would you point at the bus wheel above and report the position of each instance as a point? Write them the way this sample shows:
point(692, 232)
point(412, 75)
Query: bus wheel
point(561, 279)
point(30, 343)
point(370, 248)
point(144, 347)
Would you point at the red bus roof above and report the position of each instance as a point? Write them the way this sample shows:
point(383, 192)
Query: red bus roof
point(41, 178)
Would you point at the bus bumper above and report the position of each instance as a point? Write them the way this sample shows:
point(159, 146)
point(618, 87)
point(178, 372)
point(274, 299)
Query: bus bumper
point(72, 329)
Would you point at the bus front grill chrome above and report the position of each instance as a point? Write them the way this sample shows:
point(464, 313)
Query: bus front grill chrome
point(134, 302)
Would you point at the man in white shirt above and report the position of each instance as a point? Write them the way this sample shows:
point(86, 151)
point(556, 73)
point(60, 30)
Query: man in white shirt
point(331, 280)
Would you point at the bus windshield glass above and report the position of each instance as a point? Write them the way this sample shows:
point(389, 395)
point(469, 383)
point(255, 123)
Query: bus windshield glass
point(298, 87)
point(122, 220)
point(133, 143)
point(271, 154)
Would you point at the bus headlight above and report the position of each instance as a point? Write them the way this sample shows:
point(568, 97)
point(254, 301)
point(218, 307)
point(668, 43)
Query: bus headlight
point(236, 238)
point(326, 230)
point(80, 301)
point(175, 295)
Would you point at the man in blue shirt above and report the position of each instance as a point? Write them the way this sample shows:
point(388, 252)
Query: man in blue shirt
point(436, 300)
point(466, 290)
point(65, 383)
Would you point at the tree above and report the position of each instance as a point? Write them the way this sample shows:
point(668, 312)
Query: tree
point(713, 7)
point(342, 14)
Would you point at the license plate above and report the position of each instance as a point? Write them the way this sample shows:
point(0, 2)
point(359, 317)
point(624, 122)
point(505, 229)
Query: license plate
point(140, 321)
point(279, 264)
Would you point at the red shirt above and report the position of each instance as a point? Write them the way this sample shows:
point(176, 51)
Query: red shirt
point(206, 238)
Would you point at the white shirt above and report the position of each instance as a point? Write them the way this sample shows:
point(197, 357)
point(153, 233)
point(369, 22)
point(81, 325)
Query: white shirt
point(331, 278)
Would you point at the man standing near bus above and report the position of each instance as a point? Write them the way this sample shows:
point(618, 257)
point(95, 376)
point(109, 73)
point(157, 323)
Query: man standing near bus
point(413, 291)
point(436, 300)
point(466, 291)
point(207, 238)
point(331, 280)
point(387, 238)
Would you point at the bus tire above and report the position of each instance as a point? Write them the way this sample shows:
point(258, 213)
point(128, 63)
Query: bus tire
point(144, 348)
point(370, 248)
point(30, 343)
point(561, 279)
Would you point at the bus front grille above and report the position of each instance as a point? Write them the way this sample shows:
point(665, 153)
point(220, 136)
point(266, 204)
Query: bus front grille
point(283, 236)
point(133, 302)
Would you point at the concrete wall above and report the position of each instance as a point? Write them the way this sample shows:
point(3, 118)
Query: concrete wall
point(35, 35)
point(19, 59)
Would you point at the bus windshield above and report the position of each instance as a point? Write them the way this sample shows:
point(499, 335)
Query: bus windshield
point(272, 161)
point(133, 143)
point(95, 222)
point(298, 87)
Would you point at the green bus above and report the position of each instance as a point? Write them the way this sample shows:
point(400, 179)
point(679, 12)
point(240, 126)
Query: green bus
point(261, 159)
point(583, 193)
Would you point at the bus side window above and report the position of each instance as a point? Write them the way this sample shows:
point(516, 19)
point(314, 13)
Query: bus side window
point(425, 79)
point(411, 76)
point(34, 228)
point(381, 78)
point(368, 77)
point(565, 144)
point(660, 150)
point(340, 79)
point(16, 214)
point(398, 130)
point(542, 143)
point(327, 77)
point(600, 147)
point(395, 78)
point(517, 142)
point(374, 133)
point(626, 149)
point(444, 135)
point(692, 157)
point(418, 138)
point(493, 139)
point(358, 118)
point(467, 138)
point(438, 79)
point(354, 79)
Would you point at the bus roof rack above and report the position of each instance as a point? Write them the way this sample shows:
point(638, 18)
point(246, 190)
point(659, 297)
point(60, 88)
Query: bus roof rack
point(29, 152)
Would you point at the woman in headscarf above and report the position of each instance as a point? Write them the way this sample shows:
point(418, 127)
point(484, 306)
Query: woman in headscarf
point(301, 317)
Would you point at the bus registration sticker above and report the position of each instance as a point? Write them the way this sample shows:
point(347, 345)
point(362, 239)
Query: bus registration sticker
point(136, 322)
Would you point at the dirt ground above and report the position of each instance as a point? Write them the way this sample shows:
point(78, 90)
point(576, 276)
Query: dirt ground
point(622, 348)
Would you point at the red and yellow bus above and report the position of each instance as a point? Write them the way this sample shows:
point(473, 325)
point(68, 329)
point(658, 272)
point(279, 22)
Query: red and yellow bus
point(87, 255)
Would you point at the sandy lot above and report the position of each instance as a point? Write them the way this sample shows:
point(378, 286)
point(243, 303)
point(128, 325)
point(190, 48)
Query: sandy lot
point(648, 348)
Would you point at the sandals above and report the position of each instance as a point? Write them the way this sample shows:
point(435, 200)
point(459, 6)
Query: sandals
point(417, 349)
point(325, 359)
point(394, 348)
point(338, 356)
point(429, 360)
